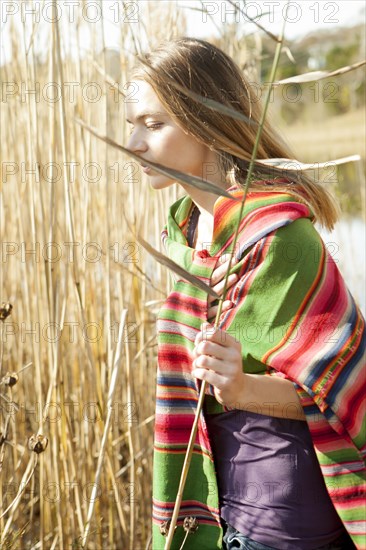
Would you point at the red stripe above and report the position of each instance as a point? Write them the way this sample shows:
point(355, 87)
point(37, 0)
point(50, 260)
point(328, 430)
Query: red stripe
point(300, 311)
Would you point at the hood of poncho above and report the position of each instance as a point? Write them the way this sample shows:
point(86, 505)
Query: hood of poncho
point(263, 213)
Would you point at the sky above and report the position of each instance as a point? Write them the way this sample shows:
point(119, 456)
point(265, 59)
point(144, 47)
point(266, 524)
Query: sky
point(302, 17)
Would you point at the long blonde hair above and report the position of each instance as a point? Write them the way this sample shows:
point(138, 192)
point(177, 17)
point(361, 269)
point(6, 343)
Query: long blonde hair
point(206, 70)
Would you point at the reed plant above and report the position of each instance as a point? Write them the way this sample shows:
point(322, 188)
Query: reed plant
point(79, 284)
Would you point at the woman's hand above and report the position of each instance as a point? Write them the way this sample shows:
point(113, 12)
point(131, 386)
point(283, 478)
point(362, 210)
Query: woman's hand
point(217, 283)
point(218, 360)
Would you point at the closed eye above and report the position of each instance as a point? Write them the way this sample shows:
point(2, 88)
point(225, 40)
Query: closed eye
point(154, 126)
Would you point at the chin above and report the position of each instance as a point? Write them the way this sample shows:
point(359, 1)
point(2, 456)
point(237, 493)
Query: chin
point(158, 182)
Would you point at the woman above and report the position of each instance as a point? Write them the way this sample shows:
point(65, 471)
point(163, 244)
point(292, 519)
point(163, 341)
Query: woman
point(278, 460)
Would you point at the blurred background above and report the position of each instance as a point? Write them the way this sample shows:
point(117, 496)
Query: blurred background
point(70, 266)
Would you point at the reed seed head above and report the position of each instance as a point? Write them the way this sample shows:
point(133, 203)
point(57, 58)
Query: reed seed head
point(37, 443)
point(190, 524)
point(5, 310)
point(10, 379)
point(164, 527)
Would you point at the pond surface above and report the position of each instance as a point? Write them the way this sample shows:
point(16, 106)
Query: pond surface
point(347, 245)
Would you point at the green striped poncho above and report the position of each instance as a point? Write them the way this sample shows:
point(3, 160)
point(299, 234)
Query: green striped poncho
point(295, 318)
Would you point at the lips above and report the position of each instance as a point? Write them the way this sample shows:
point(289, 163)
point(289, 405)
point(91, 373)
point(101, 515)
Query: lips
point(145, 168)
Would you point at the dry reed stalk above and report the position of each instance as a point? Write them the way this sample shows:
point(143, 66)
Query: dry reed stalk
point(50, 273)
point(79, 513)
point(246, 16)
point(27, 476)
point(3, 439)
point(68, 205)
point(33, 157)
point(315, 76)
point(55, 440)
point(111, 394)
point(121, 515)
point(131, 447)
point(49, 374)
point(51, 283)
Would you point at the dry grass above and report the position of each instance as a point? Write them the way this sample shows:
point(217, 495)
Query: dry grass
point(329, 138)
point(71, 294)
point(325, 138)
point(68, 298)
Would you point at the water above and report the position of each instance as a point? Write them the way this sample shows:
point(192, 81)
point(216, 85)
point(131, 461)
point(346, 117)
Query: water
point(347, 245)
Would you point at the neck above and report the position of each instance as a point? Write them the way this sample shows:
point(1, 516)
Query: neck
point(204, 228)
point(205, 201)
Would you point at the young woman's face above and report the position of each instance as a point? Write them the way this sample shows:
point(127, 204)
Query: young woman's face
point(156, 137)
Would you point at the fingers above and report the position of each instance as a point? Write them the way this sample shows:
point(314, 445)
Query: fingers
point(209, 333)
point(212, 311)
point(217, 282)
point(218, 277)
point(219, 287)
point(211, 356)
point(211, 377)
point(220, 271)
point(212, 362)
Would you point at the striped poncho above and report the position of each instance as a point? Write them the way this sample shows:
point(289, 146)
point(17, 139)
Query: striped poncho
point(295, 318)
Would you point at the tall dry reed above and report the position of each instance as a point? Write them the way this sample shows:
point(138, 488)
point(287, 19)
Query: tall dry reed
point(76, 440)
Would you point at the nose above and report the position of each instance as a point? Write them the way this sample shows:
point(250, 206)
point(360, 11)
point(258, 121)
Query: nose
point(136, 143)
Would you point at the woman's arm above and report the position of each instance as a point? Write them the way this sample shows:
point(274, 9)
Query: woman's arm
point(272, 395)
point(218, 360)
